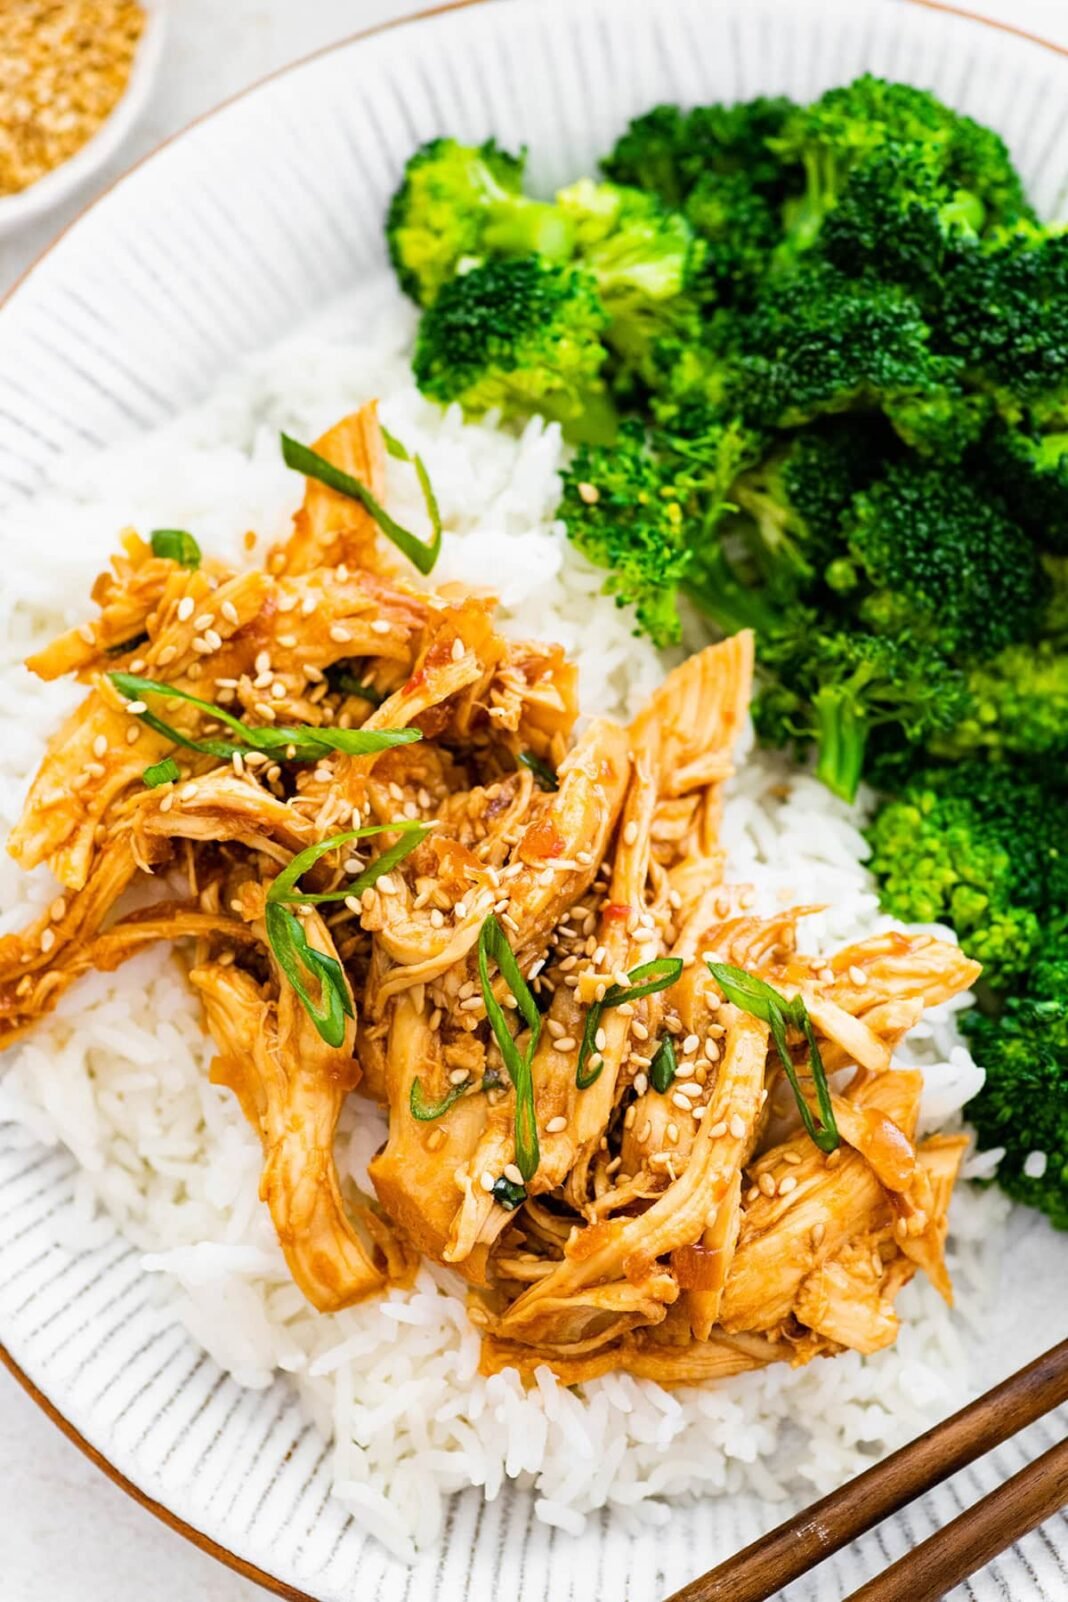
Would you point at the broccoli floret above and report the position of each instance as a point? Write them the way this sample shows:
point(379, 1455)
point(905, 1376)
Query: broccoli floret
point(793, 502)
point(983, 847)
point(645, 507)
point(644, 259)
point(1017, 703)
point(521, 335)
point(669, 152)
point(840, 130)
point(740, 228)
point(456, 204)
point(1031, 471)
point(835, 689)
point(820, 343)
point(1005, 313)
point(897, 218)
point(931, 555)
point(1023, 1106)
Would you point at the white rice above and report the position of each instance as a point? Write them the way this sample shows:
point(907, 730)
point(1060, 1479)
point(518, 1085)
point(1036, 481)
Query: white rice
point(119, 1073)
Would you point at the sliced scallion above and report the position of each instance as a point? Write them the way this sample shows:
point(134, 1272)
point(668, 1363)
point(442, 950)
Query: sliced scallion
point(422, 554)
point(177, 545)
point(493, 947)
point(647, 979)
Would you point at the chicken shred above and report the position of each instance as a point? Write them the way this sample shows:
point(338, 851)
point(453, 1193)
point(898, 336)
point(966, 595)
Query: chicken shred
point(682, 1232)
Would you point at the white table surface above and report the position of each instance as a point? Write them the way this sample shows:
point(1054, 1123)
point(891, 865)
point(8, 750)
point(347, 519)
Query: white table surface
point(69, 1535)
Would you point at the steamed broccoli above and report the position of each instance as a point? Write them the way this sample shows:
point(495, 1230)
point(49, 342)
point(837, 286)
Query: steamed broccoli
point(1016, 704)
point(520, 335)
point(1023, 1106)
point(844, 127)
point(645, 508)
point(819, 343)
point(981, 847)
point(644, 259)
point(1031, 471)
point(1004, 312)
point(793, 502)
point(931, 555)
point(834, 689)
point(670, 152)
point(457, 204)
point(897, 218)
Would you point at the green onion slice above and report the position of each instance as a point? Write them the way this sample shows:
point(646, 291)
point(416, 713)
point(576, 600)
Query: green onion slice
point(285, 892)
point(493, 947)
point(541, 770)
point(304, 460)
point(305, 744)
point(663, 1066)
point(297, 958)
point(760, 1000)
point(427, 1111)
point(507, 1194)
point(164, 772)
point(649, 977)
point(177, 545)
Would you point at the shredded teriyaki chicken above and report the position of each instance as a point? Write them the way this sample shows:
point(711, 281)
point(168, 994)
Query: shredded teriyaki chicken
point(519, 947)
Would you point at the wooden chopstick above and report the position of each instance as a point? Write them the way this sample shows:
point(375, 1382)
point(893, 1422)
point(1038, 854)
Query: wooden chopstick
point(798, 1545)
point(938, 1564)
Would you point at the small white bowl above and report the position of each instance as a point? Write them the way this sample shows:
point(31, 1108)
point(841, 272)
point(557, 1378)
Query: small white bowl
point(34, 201)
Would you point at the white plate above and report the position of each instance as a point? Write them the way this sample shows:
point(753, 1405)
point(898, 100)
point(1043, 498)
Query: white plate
point(224, 239)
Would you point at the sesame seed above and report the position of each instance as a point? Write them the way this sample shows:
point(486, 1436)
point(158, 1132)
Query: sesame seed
point(48, 939)
point(858, 976)
point(138, 665)
point(308, 605)
point(791, 1157)
point(589, 494)
point(717, 1131)
point(818, 1232)
point(630, 833)
point(457, 1076)
point(752, 1193)
point(229, 612)
point(204, 621)
point(135, 708)
point(353, 904)
point(690, 1044)
point(672, 1133)
point(685, 1070)
point(167, 802)
point(94, 770)
point(100, 745)
point(787, 1184)
point(58, 909)
point(766, 1184)
point(167, 655)
point(133, 734)
point(512, 1172)
point(339, 634)
point(629, 1116)
point(186, 607)
point(458, 654)
point(557, 1125)
point(737, 1126)
point(680, 1101)
point(212, 639)
point(486, 1180)
point(642, 936)
point(201, 646)
point(645, 1131)
point(641, 1084)
point(380, 626)
point(600, 1040)
point(639, 1030)
point(278, 690)
point(435, 1140)
point(437, 918)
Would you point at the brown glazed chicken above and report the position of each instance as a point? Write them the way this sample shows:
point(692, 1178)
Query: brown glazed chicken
point(508, 948)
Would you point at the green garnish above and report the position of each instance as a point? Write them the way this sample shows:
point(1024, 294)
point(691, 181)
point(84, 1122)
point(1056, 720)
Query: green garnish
point(660, 974)
point(305, 744)
point(164, 772)
point(427, 1111)
point(507, 1194)
point(176, 545)
point(304, 460)
point(289, 942)
point(493, 947)
point(541, 770)
point(295, 958)
point(345, 684)
point(759, 1000)
point(662, 1068)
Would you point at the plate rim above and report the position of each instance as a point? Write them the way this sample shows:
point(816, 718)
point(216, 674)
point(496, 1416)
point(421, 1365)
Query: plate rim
point(174, 1521)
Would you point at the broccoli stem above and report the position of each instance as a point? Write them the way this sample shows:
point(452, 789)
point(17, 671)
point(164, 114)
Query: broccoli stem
point(721, 596)
point(841, 739)
point(528, 228)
